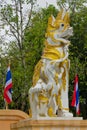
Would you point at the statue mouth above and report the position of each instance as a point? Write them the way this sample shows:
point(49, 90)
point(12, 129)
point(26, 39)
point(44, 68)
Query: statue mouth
point(64, 35)
point(67, 33)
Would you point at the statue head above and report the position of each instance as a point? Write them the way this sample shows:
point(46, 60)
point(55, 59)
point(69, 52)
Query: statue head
point(59, 27)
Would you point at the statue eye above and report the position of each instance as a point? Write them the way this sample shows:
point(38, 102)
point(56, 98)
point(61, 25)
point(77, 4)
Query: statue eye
point(62, 25)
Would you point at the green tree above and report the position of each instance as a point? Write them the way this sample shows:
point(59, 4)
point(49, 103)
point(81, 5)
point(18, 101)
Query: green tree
point(78, 48)
point(13, 17)
point(78, 54)
point(73, 5)
point(23, 59)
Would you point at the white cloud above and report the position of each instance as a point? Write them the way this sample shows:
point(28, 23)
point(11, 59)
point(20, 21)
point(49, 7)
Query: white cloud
point(44, 3)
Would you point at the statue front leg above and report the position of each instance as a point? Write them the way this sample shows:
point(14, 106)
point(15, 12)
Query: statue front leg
point(64, 112)
point(33, 98)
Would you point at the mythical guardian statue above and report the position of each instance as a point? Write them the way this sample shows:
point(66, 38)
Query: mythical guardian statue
point(49, 94)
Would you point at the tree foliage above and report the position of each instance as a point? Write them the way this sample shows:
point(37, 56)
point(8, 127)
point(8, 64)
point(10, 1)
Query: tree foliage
point(73, 5)
point(13, 17)
point(78, 54)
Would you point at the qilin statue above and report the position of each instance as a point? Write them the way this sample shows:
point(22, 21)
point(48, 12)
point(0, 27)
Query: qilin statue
point(49, 94)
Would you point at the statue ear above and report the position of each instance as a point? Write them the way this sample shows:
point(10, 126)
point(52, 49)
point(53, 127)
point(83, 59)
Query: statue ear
point(63, 15)
point(51, 20)
point(59, 15)
point(66, 18)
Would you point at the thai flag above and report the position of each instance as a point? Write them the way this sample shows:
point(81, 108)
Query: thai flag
point(75, 99)
point(8, 87)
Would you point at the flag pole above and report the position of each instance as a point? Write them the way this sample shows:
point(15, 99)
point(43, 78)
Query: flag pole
point(76, 72)
point(6, 105)
point(9, 62)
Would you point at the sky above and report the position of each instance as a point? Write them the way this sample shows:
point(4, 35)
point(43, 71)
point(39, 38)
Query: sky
point(44, 3)
point(41, 3)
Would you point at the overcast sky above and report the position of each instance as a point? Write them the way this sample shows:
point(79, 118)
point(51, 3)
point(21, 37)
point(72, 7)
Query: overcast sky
point(43, 3)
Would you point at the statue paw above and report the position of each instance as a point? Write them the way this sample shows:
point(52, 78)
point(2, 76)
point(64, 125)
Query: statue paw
point(64, 113)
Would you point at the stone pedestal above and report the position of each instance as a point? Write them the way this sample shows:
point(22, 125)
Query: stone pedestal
point(51, 124)
point(8, 117)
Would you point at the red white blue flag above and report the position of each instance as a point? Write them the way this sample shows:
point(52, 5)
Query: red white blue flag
point(75, 98)
point(8, 87)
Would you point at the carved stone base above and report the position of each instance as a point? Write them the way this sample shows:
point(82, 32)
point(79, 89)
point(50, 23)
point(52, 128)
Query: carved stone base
point(56, 118)
point(60, 123)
